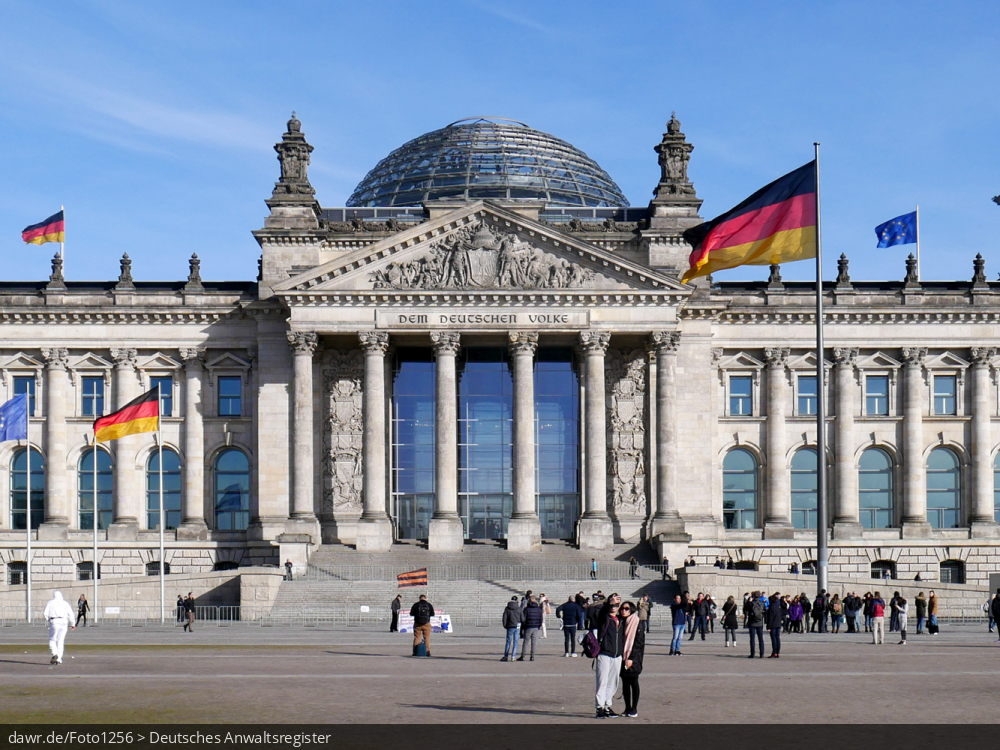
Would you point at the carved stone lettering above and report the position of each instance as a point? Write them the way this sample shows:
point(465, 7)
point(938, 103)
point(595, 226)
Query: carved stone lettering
point(343, 477)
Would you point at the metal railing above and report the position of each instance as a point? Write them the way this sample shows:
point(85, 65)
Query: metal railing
point(617, 571)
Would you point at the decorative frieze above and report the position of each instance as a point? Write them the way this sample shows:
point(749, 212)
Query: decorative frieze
point(626, 405)
point(342, 434)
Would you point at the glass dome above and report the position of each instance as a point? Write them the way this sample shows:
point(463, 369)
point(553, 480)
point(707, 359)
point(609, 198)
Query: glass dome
point(488, 157)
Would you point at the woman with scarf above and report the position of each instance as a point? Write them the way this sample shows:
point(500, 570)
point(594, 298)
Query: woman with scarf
point(635, 645)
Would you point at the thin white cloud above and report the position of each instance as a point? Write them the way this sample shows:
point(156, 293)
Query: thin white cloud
point(528, 23)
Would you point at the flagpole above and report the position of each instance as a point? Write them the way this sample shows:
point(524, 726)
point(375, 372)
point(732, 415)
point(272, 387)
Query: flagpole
point(918, 241)
point(822, 515)
point(27, 569)
point(63, 242)
point(163, 520)
point(95, 609)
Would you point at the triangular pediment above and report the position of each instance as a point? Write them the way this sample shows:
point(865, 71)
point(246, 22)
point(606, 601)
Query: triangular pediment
point(227, 361)
point(90, 361)
point(945, 360)
point(481, 247)
point(878, 361)
point(22, 361)
point(740, 361)
point(807, 361)
point(159, 361)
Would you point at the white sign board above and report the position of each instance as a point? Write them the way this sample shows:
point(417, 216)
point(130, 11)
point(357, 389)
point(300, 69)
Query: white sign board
point(440, 623)
point(112, 610)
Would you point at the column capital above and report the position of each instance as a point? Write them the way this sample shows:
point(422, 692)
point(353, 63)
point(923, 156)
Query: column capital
point(914, 356)
point(193, 358)
point(595, 342)
point(523, 342)
point(124, 359)
point(845, 357)
point(776, 356)
point(374, 342)
point(56, 359)
point(665, 342)
point(302, 342)
point(445, 342)
point(981, 355)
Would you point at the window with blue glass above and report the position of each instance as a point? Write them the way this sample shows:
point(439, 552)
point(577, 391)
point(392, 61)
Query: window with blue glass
point(996, 488)
point(166, 385)
point(875, 489)
point(171, 489)
point(877, 395)
point(19, 471)
point(93, 396)
point(740, 395)
point(232, 490)
point(739, 489)
point(804, 489)
point(26, 384)
point(85, 489)
point(413, 441)
point(944, 489)
point(808, 400)
point(945, 392)
point(557, 438)
point(230, 396)
point(485, 450)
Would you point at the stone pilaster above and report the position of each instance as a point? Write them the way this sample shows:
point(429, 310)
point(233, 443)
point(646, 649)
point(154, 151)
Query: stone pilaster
point(595, 529)
point(914, 472)
point(57, 492)
point(129, 499)
point(446, 533)
point(667, 519)
point(193, 524)
point(524, 531)
point(981, 518)
point(302, 513)
point(374, 527)
point(778, 517)
point(845, 510)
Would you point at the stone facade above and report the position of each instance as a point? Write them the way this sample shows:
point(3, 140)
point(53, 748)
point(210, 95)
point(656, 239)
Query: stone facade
point(295, 372)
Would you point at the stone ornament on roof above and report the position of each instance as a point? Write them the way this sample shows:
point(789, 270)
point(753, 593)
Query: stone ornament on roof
point(674, 153)
point(293, 155)
point(476, 258)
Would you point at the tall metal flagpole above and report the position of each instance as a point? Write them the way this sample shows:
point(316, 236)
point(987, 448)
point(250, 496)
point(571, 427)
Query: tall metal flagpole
point(27, 569)
point(822, 512)
point(918, 241)
point(163, 520)
point(94, 608)
point(63, 243)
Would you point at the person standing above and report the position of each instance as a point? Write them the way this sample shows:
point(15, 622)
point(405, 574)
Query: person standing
point(806, 609)
point(511, 620)
point(700, 610)
point(633, 568)
point(666, 568)
point(645, 608)
point(180, 608)
point(995, 610)
point(713, 612)
point(593, 569)
point(394, 606)
point(730, 620)
point(543, 602)
point(836, 612)
point(932, 610)
point(531, 623)
point(632, 653)
point(755, 621)
point(818, 614)
point(878, 619)
point(689, 610)
point(189, 612)
point(611, 637)
point(921, 606)
point(775, 621)
point(288, 570)
point(902, 611)
point(572, 616)
point(422, 611)
point(893, 610)
point(59, 615)
point(795, 615)
point(678, 620)
point(81, 610)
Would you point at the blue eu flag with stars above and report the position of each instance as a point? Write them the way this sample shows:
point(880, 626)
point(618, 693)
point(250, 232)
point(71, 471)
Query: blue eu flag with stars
point(899, 231)
point(14, 419)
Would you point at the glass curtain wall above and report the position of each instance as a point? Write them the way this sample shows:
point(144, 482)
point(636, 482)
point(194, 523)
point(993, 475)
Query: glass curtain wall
point(413, 441)
point(557, 439)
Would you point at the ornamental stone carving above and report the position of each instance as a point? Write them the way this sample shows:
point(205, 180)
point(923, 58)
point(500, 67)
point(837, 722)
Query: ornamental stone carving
point(374, 342)
point(776, 357)
point(293, 155)
point(303, 342)
point(56, 359)
point(626, 412)
point(124, 359)
point(674, 153)
point(343, 475)
point(193, 358)
point(445, 342)
point(913, 356)
point(845, 357)
point(982, 355)
point(595, 342)
point(523, 342)
point(476, 258)
point(665, 342)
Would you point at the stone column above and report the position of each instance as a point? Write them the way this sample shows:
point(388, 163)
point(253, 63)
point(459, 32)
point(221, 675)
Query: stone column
point(57, 492)
point(303, 345)
point(778, 519)
point(193, 524)
point(914, 477)
point(374, 527)
point(667, 519)
point(845, 510)
point(595, 530)
point(446, 533)
point(524, 531)
point(981, 518)
point(129, 496)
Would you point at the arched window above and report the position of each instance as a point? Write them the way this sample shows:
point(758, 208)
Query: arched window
point(739, 489)
point(952, 571)
point(85, 571)
point(171, 489)
point(996, 488)
point(153, 568)
point(17, 573)
point(225, 565)
point(944, 489)
point(875, 489)
point(85, 486)
point(232, 491)
point(19, 489)
point(883, 569)
point(804, 484)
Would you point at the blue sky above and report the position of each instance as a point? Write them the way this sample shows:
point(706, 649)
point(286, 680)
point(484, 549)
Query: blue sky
point(154, 122)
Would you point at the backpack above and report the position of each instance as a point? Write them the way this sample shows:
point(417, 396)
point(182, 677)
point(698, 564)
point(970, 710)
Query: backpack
point(758, 610)
point(592, 646)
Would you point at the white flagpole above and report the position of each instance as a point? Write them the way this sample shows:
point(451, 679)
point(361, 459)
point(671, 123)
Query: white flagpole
point(163, 520)
point(27, 569)
point(95, 609)
point(822, 512)
point(63, 243)
point(918, 242)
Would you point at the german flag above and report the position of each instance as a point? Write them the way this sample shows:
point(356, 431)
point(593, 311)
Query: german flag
point(777, 224)
point(140, 415)
point(416, 577)
point(50, 230)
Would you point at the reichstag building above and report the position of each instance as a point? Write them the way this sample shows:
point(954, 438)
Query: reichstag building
point(489, 343)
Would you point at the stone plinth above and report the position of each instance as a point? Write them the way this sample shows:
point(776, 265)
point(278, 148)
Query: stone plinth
point(524, 535)
point(374, 535)
point(595, 533)
point(445, 535)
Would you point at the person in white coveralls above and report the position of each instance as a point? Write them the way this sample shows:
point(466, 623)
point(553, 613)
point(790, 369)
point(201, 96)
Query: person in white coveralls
point(59, 614)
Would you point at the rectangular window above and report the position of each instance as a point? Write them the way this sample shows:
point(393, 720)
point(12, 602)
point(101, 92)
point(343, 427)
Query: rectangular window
point(740, 395)
point(945, 390)
point(26, 384)
point(166, 384)
point(808, 400)
point(93, 396)
point(230, 397)
point(877, 395)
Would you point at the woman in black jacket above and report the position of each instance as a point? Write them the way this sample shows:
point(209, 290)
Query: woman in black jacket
point(635, 645)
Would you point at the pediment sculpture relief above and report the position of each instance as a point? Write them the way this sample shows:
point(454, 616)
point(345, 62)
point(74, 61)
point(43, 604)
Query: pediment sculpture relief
point(476, 258)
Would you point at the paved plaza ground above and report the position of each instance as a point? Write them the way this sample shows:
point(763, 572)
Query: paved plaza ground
point(250, 674)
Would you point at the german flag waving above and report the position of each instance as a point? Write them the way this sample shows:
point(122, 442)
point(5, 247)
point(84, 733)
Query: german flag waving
point(416, 577)
point(140, 415)
point(50, 230)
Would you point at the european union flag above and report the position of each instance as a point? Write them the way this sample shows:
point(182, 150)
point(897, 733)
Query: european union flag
point(14, 419)
point(899, 231)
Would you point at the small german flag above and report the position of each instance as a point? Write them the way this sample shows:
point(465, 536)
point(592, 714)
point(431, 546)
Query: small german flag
point(416, 577)
point(50, 230)
point(140, 415)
